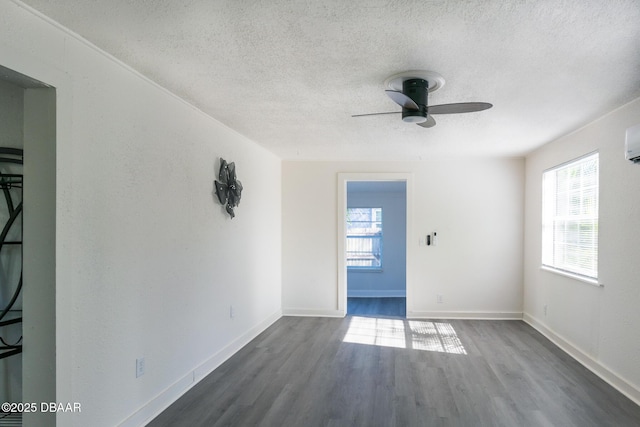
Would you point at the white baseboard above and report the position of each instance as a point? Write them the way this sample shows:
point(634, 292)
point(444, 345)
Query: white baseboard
point(299, 312)
point(587, 361)
point(393, 293)
point(303, 312)
point(163, 400)
point(471, 315)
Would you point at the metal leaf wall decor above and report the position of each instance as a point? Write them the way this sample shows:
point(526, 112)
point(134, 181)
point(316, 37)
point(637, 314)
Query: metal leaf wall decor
point(228, 188)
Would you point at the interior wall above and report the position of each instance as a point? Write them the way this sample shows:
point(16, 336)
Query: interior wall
point(598, 325)
point(11, 135)
point(474, 204)
point(148, 263)
point(391, 281)
point(39, 249)
point(11, 115)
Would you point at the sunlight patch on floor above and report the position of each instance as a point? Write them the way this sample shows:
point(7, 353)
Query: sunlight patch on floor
point(374, 331)
point(399, 333)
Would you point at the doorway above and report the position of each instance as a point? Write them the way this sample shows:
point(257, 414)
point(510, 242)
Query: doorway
point(11, 183)
point(28, 141)
point(374, 233)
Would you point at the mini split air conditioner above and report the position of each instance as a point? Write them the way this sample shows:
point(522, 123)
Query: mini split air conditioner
point(632, 144)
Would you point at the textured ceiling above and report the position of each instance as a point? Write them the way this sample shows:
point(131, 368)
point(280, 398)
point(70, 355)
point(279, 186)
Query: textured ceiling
point(289, 74)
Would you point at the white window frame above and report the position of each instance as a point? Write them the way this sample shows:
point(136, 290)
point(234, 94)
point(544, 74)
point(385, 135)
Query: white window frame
point(377, 236)
point(570, 212)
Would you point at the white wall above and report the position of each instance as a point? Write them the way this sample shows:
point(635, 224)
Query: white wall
point(598, 325)
point(391, 281)
point(147, 261)
point(475, 206)
point(11, 135)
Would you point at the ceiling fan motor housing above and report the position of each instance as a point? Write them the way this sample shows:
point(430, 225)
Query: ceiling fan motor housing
point(417, 90)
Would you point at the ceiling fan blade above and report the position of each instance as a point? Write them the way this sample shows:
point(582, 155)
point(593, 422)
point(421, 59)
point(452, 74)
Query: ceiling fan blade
point(375, 114)
point(460, 107)
point(402, 100)
point(429, 123)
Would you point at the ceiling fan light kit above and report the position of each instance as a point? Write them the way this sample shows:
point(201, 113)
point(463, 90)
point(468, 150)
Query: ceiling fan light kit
point(410, 91)
point(417, 90)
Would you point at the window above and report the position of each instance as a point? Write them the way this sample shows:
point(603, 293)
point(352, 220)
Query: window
point(364, 238)
point(570, 217)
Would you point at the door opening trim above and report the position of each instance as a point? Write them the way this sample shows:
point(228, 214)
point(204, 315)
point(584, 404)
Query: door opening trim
point(343, 179)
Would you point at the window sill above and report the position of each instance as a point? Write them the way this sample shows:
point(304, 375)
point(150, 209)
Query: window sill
point(593, 282)
point(364, 270)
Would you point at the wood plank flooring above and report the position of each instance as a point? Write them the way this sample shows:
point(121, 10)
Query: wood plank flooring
point(364, 371)
point(385, 306)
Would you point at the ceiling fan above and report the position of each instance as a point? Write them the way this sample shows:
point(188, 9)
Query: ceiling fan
point(410, 90)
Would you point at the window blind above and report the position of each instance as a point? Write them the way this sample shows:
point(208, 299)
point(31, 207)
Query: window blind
point(364, 238)
point(570, 217)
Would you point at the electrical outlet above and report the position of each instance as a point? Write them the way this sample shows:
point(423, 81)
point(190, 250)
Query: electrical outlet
point(439, 299)
point(232, 312)
point(139, 367)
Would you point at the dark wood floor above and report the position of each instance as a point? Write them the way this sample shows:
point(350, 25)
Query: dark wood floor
point(364, 371)
point(387, 306)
